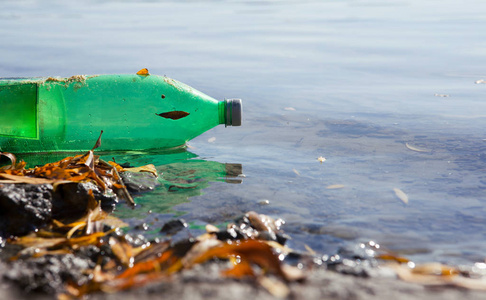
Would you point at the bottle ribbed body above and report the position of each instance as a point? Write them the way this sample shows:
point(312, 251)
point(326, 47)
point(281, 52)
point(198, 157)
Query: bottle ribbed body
point(135, 113)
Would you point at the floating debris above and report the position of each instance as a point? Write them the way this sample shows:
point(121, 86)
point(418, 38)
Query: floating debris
point(480, 81)
point(310, 250)
point(335, 186)
point(392, 257)
point(264, 202)
point(212, 139)
point(413, 148)
point(296, 172)
point(289, 108)
point(441, 95)
point(401, 195)
point(321, 159)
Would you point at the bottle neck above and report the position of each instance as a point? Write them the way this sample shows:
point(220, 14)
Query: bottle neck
point(222, 111)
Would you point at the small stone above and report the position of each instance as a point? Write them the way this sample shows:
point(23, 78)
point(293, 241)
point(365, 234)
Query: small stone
point(173, 226)
point(138, 182)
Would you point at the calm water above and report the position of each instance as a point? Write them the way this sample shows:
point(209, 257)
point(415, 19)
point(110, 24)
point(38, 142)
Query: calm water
point(352, 81)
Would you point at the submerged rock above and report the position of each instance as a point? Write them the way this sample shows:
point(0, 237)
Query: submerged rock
point(174, 226)
point(137, 182)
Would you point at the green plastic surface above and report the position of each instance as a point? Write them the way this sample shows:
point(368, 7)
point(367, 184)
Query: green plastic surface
point(18, 117)
point(135, 113)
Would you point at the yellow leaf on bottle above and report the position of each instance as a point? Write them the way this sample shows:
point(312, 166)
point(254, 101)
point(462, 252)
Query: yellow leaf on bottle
point(144, 72)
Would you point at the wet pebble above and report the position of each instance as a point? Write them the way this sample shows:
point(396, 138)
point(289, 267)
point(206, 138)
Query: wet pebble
point(254, 226)
point(174, 226)
point(137, 182)
point(264, 202)
point(143, 226)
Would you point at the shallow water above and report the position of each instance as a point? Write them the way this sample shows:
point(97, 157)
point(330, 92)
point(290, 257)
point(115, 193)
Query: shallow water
point(364, 84)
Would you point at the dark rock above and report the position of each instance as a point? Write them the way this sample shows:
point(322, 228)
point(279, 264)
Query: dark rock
point(90, 252)
point(231, 233)
point(360, 268)
point(126, 165)
point(173, 226)
point(48, 273)
point(181, 248)
point(356, 259)
point(24, 207)
point(96, 255)
point(361, 250)
point(144, 226)
point(254, 226)
point(137, 182)
point(72, 198)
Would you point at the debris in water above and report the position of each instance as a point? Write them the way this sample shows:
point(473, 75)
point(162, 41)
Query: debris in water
point(335, 186)
point(211, 140)
point(392, 257)
point(310, 250)
point(150, 168)
point(413, 148)
point(264, 202)
point(480, 81)
point(321, 159)
point(401, 195)
point(441, 95)
point(289, 108)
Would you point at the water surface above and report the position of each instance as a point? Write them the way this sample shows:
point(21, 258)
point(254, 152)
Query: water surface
point(364, 84)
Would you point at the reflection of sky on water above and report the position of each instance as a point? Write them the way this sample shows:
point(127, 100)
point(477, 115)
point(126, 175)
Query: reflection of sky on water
point(352, 81)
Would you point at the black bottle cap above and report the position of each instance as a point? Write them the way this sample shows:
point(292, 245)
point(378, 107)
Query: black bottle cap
point(233, 112)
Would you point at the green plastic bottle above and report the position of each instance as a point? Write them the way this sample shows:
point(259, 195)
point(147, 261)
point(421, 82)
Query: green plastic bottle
point(135, 112)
